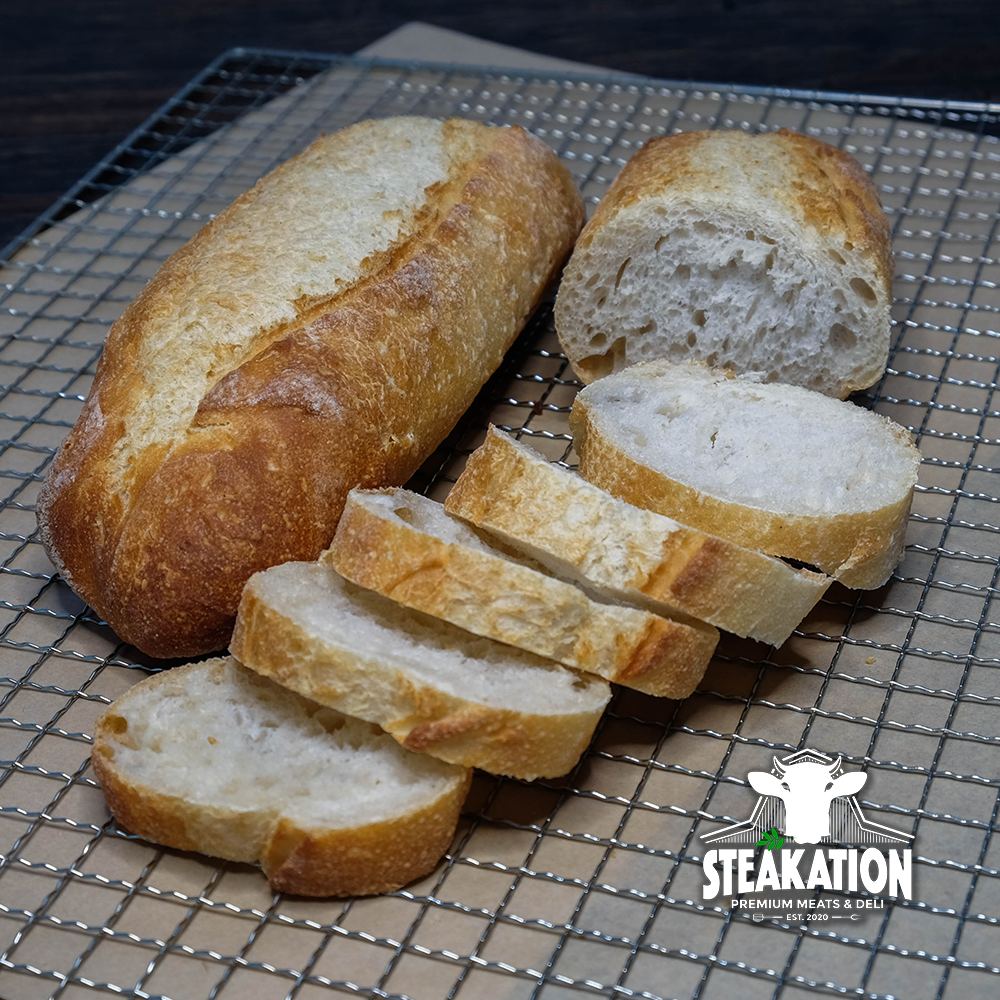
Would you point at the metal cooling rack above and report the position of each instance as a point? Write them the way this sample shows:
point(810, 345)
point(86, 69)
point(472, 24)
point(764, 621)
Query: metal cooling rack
point(590, 885)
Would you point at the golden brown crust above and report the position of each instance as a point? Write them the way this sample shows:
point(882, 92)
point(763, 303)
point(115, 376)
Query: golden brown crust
point(360, 388)
point(860, 549)
point(490, 596)
point(362, 860)
point(366, 860)
point(686, 649)
point(419, 716)
point(544, 510)
point(836, 195)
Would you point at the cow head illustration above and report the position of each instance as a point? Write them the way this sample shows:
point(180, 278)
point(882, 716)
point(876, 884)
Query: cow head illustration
point(807, 789)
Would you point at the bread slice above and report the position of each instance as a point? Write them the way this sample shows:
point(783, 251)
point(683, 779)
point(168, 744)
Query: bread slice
point(211, 757)
point(765, 254)
point(579, 531)
point(772, 467)
point(406, 547)
point(434, 687)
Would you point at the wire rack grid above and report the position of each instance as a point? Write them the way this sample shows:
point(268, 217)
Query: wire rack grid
point(590, 885)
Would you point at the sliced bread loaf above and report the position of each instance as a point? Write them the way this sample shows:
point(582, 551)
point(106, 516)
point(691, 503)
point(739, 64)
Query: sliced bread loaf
point(211, 757)
point(764, 254)
point(434, 687)
point(773, 467)
point(406, 547)
point(579, 531)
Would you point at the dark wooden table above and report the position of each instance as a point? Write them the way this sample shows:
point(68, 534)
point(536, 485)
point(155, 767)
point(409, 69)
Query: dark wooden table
point(76, 77)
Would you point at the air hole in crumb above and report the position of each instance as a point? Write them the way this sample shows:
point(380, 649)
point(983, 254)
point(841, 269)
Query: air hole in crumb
point(659, 243)
point(715, 434)
point(862, 288)
point(703, 228)
point(841, 337)
point(725, 345)
point(119, 727)
point(751, 235)
point(598, 340)
point(769, 260)
point(848, 245)
point(712, 358)
point(649, 327)
point(404, 514)
point(602, 300)
point(621, 272)
point(700, 319)
point(592, 280)
point(598, 365)
point(767, 239)
point(836, 256)
point(330, 720)
point(683, 272)
point(692, 339)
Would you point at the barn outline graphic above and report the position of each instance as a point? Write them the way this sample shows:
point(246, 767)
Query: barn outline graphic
point(848, 823)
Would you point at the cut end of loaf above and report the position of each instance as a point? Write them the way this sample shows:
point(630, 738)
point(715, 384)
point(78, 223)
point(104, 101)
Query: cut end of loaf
point(713, 290)
point(749, 253)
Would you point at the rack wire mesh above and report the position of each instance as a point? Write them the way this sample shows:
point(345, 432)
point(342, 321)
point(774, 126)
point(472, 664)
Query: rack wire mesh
point(590, 885)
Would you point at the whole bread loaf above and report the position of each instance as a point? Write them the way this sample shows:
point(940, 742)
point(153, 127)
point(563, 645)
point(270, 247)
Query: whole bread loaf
point(766, 254)
point(326, 330)
point(211, 757)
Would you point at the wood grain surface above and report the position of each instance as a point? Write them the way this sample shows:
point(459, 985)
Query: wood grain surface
point(77, 77)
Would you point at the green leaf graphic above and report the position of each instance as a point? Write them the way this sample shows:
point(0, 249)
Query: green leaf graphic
point(772, 840)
